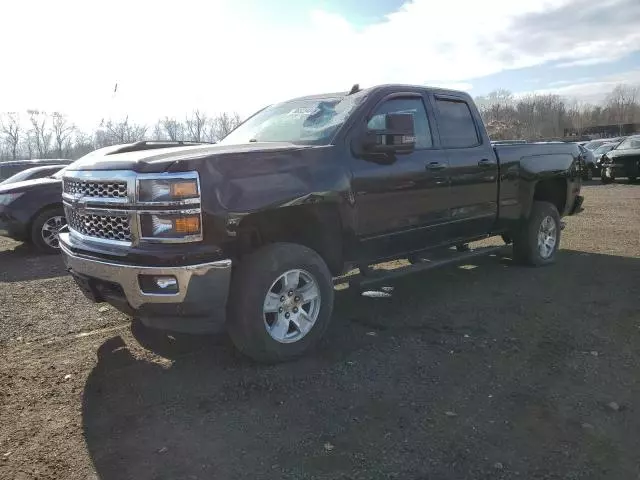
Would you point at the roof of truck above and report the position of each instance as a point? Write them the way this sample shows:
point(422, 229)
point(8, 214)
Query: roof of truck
point(388, 86)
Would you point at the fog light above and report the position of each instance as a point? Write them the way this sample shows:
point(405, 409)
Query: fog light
point(158, 284)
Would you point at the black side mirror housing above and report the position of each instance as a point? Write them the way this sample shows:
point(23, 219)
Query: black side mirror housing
point(398, 135)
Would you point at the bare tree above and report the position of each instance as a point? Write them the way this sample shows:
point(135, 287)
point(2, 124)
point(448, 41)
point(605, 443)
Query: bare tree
point(28, 144)
point(221, 125)
point(497, 106)
point(622, 103)
point(196, 125)
point(62, 131)
point(41, 132)
point(578, 115)
point(123, 132)
point(158, 132)
point(82, 144)
point(173, 129)
point(10, 128)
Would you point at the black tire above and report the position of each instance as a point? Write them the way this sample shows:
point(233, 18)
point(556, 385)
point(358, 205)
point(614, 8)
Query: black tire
point(252, 279)
point(604, 179)
point(589, 173)
point(525, 242)
point(632, 179)
point(37, 225)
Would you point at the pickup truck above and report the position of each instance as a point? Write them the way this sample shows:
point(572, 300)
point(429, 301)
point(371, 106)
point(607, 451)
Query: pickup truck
point(249, 234)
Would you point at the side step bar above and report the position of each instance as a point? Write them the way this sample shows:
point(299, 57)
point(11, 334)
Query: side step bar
point(375, 276)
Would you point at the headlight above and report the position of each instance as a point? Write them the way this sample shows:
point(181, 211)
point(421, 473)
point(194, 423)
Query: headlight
point(169, 190)
point(170, 226)
point(7, 198)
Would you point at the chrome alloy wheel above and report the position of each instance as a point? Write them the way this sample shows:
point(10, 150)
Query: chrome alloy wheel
point(291, 306)
point(547, 237)
point(50, 230)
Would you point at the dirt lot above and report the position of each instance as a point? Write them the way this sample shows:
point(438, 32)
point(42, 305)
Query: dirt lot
point(488, 371)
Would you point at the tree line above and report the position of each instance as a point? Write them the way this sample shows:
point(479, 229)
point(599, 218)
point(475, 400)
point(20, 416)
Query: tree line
point(550, 116)
point(38, 134)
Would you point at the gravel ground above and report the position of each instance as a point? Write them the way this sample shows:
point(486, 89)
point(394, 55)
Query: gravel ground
point(489, 371)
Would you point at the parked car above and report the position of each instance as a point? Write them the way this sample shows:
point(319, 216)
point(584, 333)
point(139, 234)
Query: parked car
point(622, 161)
point(589, 165)
point(32, 211)
point(32, 174)
point(593, 144)
point(247, 234)
point(11, 167)
point(599, 152)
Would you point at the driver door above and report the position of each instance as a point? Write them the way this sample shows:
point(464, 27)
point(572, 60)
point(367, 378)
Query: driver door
point(403, 206)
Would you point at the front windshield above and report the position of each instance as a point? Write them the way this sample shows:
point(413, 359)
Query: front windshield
point(604, 149)
point(312, 121)
point(595, 144)
point(631, 143)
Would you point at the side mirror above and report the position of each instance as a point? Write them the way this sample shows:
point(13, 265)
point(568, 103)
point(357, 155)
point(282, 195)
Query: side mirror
point(398, 135)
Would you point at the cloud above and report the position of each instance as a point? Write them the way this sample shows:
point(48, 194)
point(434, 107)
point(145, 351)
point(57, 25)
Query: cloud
point(230, 55)
point(586, 62)
point(588, 89)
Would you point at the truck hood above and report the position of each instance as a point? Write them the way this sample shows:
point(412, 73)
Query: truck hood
point(160, 160)
point(30, 185)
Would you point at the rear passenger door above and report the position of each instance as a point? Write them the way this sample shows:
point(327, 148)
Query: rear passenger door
point(473, 168)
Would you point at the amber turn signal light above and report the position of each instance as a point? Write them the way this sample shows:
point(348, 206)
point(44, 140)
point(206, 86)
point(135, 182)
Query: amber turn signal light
point(184, 189)
point(187, 225)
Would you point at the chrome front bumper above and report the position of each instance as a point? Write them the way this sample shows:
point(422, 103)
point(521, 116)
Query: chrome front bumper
point(210, 279)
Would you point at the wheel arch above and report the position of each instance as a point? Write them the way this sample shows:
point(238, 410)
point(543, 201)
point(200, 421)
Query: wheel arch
point(32, 218)
point(318, 227)
point(553, 190)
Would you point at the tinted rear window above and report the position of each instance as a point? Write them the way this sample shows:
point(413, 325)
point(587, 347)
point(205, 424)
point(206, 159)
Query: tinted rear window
point(457, 128)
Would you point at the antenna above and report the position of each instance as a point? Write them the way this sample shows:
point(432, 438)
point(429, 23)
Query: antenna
point(354, 89)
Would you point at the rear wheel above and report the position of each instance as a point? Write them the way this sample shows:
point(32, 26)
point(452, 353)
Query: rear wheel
point(538, 240)
point(45, 228)
point(280, 302)
point(632, 179)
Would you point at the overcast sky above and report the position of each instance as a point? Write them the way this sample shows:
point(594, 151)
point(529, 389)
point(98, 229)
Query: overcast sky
point(169, 57)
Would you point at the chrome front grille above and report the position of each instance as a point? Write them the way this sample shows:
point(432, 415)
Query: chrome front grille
point(103, 205)
point(109, 189)
point(106, 227)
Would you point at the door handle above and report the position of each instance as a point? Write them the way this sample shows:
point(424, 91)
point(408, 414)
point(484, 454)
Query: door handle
point(435, 166)
point(485, 162)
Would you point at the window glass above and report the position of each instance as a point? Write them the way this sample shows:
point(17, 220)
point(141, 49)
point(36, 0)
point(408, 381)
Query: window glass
point(631, 143)
point(594, 144)
point(413, 106)
point(457, 128)
point(306, 121)
point(603, 149)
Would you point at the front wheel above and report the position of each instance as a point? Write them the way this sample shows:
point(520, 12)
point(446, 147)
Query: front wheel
point(604, 178)
point(538, 240)
point(280, 302)
point(588, 175)
point(45, 228)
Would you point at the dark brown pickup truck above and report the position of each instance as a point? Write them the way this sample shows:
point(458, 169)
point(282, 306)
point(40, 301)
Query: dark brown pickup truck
point(248, 234)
